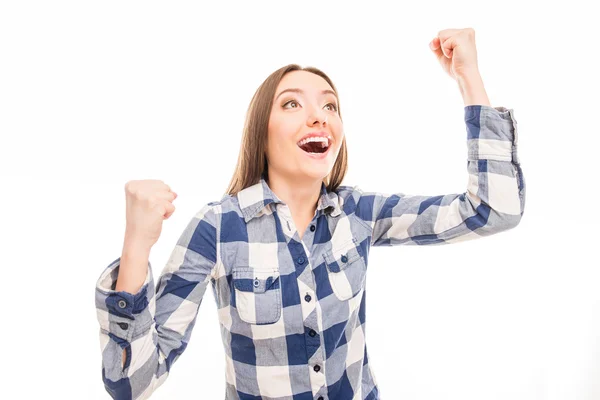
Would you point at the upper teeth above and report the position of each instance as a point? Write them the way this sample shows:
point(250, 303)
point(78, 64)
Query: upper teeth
point(323, 140)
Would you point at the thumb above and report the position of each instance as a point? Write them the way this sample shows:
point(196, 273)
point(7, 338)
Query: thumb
point(170, 209)
point(434, 45)
point(448, 45)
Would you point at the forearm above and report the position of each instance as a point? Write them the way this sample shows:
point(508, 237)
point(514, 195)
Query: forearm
point(134, 266)
point(472, 89)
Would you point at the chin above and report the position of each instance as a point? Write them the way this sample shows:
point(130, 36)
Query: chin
point(317, 174)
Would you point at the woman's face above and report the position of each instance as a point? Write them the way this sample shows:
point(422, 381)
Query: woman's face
point(311, 108)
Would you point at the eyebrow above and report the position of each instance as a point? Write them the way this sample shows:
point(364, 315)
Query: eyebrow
point(296, 90)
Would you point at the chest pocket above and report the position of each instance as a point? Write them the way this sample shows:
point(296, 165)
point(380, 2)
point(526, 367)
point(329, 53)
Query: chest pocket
point(257, 294)
point(346, 269)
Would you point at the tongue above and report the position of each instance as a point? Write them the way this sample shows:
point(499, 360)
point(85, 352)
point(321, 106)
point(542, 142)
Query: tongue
point(313, 147)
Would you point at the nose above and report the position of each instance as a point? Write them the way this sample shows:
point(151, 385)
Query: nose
point(317, 115)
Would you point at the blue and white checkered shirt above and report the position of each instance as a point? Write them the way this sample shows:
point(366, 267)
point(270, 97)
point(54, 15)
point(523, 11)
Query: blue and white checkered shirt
point(292, 311)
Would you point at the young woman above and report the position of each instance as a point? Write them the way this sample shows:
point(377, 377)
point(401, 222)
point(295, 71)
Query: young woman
point(286, 249)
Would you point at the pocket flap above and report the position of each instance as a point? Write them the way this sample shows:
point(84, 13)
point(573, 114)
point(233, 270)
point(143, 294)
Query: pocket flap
point(342, 256)
point(248, 279)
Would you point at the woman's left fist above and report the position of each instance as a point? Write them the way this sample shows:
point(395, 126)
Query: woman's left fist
point(455, 50)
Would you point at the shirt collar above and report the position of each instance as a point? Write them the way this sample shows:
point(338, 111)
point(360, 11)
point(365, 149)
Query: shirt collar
point(255, 198)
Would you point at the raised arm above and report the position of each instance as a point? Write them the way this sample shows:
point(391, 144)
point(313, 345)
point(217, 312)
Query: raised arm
point(493, 202)
point(495, 197)
point(154, 325)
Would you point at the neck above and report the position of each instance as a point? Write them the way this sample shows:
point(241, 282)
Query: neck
point(301, 196)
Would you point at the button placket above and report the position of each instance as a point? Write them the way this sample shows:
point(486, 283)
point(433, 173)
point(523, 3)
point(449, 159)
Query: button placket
point(285, 217)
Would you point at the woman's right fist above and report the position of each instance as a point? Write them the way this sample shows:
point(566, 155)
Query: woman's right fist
point(148, 204)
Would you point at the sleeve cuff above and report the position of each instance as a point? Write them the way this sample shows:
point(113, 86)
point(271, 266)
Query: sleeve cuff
point(120, 313)
point(491, 133)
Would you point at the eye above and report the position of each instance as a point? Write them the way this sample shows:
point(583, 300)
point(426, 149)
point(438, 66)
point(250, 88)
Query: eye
point(334, 107)
point(291, 101)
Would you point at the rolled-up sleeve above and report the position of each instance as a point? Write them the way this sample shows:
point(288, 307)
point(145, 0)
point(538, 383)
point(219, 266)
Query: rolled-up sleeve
point(121, 314)
point(494, 199)
point(155, 324)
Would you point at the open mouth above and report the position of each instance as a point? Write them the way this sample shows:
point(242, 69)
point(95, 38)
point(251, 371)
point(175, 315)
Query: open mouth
point(316, 145)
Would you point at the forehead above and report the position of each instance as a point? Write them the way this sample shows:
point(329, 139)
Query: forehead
point(304, 80)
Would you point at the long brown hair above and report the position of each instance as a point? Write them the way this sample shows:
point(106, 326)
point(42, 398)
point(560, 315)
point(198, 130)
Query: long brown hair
point(252, 160)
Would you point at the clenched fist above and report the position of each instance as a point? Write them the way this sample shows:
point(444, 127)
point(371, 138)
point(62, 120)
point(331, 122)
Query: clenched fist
point(456, 51)
point(148, 203)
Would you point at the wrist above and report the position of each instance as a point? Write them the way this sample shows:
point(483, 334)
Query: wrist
point(472, 89)
point(468, 74)
point(133, 245)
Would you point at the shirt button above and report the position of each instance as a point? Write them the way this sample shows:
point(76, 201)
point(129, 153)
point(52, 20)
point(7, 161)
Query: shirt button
point(122, 303)
point(320, 398)
point(312, 332)
point(256, 283)
point(307, 298)
point(317, 368)
point(312, 228)
point(344, 258)
point(300, 260)
point(123, 325)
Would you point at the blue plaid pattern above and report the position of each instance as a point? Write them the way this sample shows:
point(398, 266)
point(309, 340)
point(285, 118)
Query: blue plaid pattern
point(291, 310)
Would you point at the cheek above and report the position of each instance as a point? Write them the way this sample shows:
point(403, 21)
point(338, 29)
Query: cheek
point(338, 131)
point(281, 136)
point(278, 146)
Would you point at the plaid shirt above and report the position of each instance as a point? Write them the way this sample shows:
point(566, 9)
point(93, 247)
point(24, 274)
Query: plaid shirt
point(291, 310)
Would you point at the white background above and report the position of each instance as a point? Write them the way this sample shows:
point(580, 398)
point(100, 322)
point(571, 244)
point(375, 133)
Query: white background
point(93, 94)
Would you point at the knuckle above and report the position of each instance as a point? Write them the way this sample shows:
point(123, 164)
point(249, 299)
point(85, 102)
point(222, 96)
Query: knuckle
point(129, 185)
